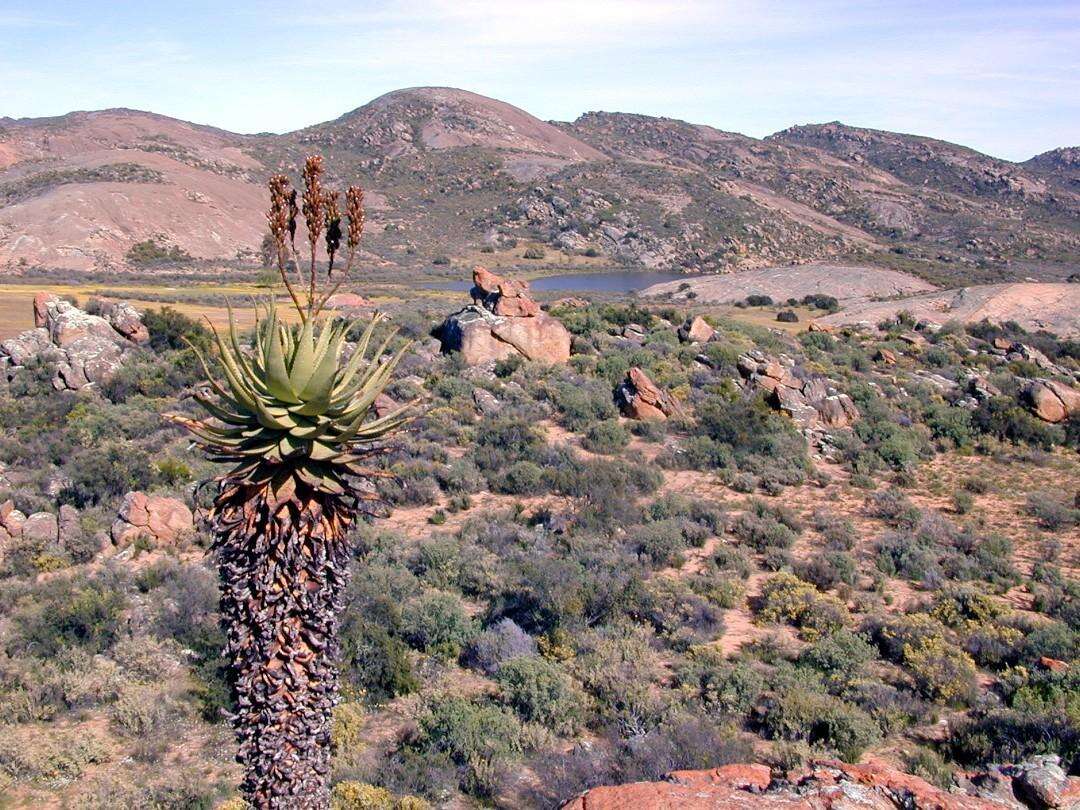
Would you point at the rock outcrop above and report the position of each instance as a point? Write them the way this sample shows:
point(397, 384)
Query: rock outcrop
point(161, 521)
point(696, 330)
point(81, 349)
point(639, 397)
point(811, 402)
point(502, 322)
point(1041, 785)
point(122, 317)
point(347, 301)
point(1051, 400)
point(11, 524)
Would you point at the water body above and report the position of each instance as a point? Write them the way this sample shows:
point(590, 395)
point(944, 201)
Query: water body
point(583, 282)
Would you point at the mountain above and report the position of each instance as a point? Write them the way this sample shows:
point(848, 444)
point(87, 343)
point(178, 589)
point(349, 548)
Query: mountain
point(447, 171)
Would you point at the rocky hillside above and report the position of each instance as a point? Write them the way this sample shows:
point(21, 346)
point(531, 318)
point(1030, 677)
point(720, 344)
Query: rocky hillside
point(450, 172)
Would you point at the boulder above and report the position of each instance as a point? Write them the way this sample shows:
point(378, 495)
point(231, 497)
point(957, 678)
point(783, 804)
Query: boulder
point(347, 300)
point(69, 529)
point(886, 356)
point(696, 330)
point(163, 521)
point(67, 324)
point(823, 784)
point(11, 522)
point(125, 319)
point(1051, 400)
point(82, 349)
point(503, 296)
point(502, 322)
point(41, 528)
point(640, 398)
point(481, 336)
point(486, 402)
point(811, 403)
point(1042, 783)
point(41, 302)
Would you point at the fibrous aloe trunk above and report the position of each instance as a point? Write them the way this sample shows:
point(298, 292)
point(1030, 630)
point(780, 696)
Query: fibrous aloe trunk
point(283, 567)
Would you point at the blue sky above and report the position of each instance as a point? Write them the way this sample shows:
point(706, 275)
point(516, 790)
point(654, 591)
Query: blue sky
point(1001, 77)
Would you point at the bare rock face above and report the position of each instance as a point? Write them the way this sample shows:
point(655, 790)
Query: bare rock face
point(502, 322)
point(830, 784)
point(696, 330)
point(82, 349)
point(811, 403)
point(41, 528)
point(11, 524)
point(162, 521)
point(1051, 400)
point(640, 398)
point(125, 319)
point(347, 301)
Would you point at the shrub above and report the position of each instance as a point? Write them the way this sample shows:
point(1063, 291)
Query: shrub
point(156, 250)
point(786, 598)
point(500, 643)
point(724, 688)
point(437, 624)
point(820, 719)
point(115, 468)
point(838, 531)
point(841, 654)
point(929, 765)
point(350, 795)
point(1051, 511)
point(827, 570)
point(533, 252)
point(607, 437)
point(787, 316)
point(478, 737)
point(764, 531)
point(374, 663)
point(1006, 735)
point(67, 612)
point(540, 692)
point(941, 671)
point(759, 301)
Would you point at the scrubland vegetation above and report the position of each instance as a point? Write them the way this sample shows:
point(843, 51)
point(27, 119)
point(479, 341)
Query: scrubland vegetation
point(564, 598)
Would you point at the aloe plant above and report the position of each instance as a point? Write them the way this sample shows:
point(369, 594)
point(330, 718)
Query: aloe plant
point(296, 423)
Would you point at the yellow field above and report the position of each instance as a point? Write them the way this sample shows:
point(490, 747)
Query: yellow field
point(17, 313)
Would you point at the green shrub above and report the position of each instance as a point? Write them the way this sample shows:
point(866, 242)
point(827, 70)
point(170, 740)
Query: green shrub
point(437, 623)
point(820, 719)
point(540, 692)
point(374, 663)
point(725, 689)
point(608, 437)
point(67, 612)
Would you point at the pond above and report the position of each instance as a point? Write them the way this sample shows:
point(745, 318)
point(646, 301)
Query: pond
point(630, 281)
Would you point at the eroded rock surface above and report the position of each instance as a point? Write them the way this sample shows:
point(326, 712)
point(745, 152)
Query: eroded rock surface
point(81, 349)
point(639, 397)
point(811, 402)
point(502, 322)
point(160, 520)
point(1052, 401)
point(840, 786)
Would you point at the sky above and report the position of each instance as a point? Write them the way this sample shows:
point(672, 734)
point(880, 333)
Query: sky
point(1001, 77)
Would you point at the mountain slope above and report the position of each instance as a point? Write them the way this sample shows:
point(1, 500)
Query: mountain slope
point(447, 170)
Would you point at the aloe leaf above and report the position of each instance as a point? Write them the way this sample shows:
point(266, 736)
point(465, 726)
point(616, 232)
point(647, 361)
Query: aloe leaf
point(302, 358)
